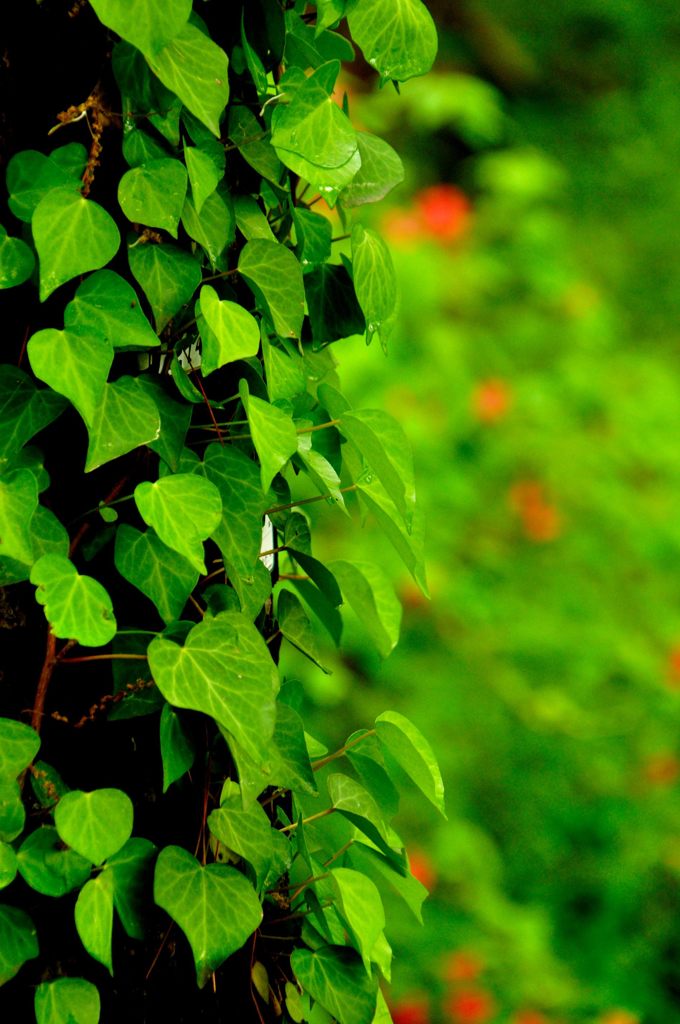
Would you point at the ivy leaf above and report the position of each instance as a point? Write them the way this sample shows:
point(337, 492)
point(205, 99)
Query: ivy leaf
point(147, 24)
point(162, 575)
point(72, 235)
point(275, 276)
point(47, 536)
point(153, 193)
point(273, 433)
point(318, 573)
point(31, 175)
point(18, 941)
point(250, 220)
point(334, 976)
point(212, 228)
point(24, 409)
point(398, 37)
point(177, 752)
point(334, 310)
point(73, 362)
point(369, 593)
point(8, 865)
point(126, 418)
point(18, 502)
point(168, 276)
point(410, 546)
point(195, 68)
point(184, 510)
point(356, 804)
point(248, 135)
point(413, 754)
point(12, 811)
point(375, 282)
point(296, 627)
point(382, 442)
point(372, 863)
point(94, 918)
point(16, 261)
point(131, 871)
point(106, 304)
point(245, 831)
point(215, 906)
point(314, 233)
point(359, 904)
point(67, 1001)
point(224, 670)
point(77, 607)
point(381, 170)
point(94, 824)
point(284, 370)
point(233, 333)
point(204, 174)
point(139, 148)
point(175, 419)
point(18, 746)
point(293, 768)
point(47, 867)
point(239, 533)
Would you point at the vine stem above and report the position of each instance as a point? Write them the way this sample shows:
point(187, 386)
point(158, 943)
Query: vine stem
point(323, 761)
point(307, 501)
point(44, 680)
point(102, 657)
point(306, 821)
point(197, 378)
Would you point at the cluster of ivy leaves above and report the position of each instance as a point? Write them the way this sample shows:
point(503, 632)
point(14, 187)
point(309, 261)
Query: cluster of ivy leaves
point(192, 352)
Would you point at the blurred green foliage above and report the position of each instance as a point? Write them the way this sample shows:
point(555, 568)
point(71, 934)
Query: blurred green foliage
point(536, 371)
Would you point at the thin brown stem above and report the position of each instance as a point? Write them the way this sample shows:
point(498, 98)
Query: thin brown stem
point(319, 426)
point(307, 501)
point(338, 853)
point(102, 657)
point(306, 821)
point(44, 681)
point(316, 765)
point(197, 378)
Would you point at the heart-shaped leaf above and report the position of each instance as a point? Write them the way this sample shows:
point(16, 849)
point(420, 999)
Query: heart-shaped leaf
point(147, 24)
point(77, 607)
point(398, 37)
point(72, 235)
point(216, 907)
point(168, 276)
point(195, 68)
point(153, 193)
point(18, 746)
point(94, 918)
point(94, 824)
point(161, 574)
point(275, 276)
point(125, 418)
point(47, 867)
point(67, 1001)
point(232, 332)
point(184, 509)
point(16, 261)
point(273, 433)
point(24, 409)
point(106, 304)
point(335, 978)
point(75, 362)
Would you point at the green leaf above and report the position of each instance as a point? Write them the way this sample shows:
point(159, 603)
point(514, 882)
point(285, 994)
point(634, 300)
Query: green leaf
point(398, 37)
point(153, 194)
point(224, 670)
point(67, 1001)
point(250, 220)
point(24, 409)
point(204, 174)
point(334, 310)
point(16, 261)
point(106, 304)
point(313, 232)
point(356, 804)
point(47, 867)
point(375, 282)
point(162, 575)
point(18, 502)
point(371, 596)
point(239, 533)
point(275, 277)
point(284, 370)
point(296, 627)
point(215, 906)
point(8, 865)
point(248, 135)
point(12, 812)
point(335, 977)
point(168, 276)
point(94, 824)
point(147, 24)
point(94, 918)
point(410, 546)
point(74, 362)
point(31, 175)
point(212, 228)
point(175, 419)
point(139, 148)
point(177, 751)
point(184, 510)
point(245, 831)
point(126, 418)
point(72, 235)
point(273, 433)
point(382, 442)
point(329, 13)
point(293, 768)
point(195, 68)
point(372, 863)
point(18, 746)
point(413, 754)
point(381, 170)
point(323, 610)
point(77, 607)
point(367, 760)
point(359, 903)
point(18, 941)
point(319, 573)
point(131, 869)
point(232, 332)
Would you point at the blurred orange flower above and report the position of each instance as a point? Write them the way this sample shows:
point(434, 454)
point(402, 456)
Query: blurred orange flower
point(491, 400)
point(541, 520)
point(413, 1009)
point(462, 965)
point(422, 867)
point(470, 1006)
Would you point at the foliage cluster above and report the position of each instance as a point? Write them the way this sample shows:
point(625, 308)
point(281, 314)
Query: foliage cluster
point(169, 408)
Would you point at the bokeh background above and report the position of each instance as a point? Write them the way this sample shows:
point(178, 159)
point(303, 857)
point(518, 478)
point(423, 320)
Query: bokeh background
point(536, 370)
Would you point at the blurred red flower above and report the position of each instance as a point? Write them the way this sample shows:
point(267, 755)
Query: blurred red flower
point(491, 400)
point(529, 1017)
point(444, 211)
point(462, 965)
point(413, 1009)
point(541, 520)
point(422, 867)
point(470, 1006)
